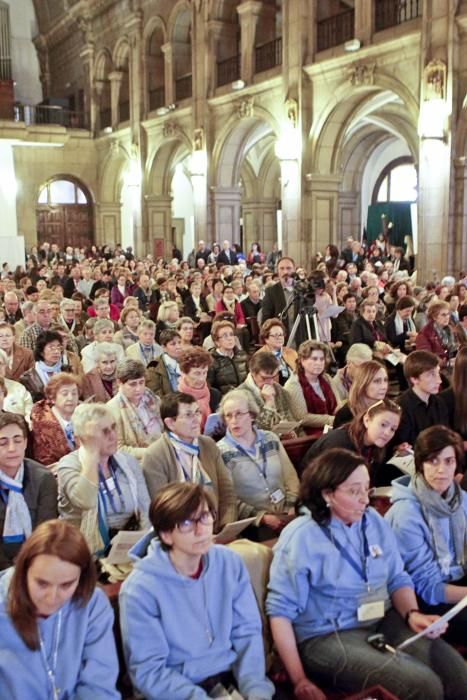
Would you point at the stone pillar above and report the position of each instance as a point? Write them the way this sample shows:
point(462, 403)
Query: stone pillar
point(458, 263)
point(108, 223)
point(159, 218)
point(134, 28)
point(322, 209)
point(249, 13)
point(90, 107)
point(167, 50)
point(216, 31)
point(348, 219)
point(226, 206)
point(115, 78)
point(292, 243)
point(259, 223)
point(363, 20)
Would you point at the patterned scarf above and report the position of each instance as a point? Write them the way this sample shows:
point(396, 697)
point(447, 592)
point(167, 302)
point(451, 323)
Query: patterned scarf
point(132, 417)
point(189, 450)
point(18, 525)
point(202, 397)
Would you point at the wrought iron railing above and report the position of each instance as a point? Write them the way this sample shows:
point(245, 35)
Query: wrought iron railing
point(335, 30)
point(228, 70)
point(49, 114)
point(268, 55)
point(156, 98)
point(183, 88)
point(5, 69)
point(389, 13)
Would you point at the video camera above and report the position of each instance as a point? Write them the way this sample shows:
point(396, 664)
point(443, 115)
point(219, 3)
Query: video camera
point(306, 288)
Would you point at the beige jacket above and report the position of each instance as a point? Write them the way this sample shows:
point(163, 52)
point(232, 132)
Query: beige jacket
point(298, 404)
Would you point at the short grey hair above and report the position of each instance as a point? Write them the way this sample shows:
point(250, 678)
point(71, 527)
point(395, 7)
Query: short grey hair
point(147, 323)
point(104, 350)
point(359, 351)
point(102, 324)
point(239, 395)
point(86, 412)
point(67, 302)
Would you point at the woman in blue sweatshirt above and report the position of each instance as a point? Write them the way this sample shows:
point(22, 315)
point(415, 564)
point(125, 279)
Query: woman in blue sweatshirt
point(56, 637)
point(429, 519)
point(336, 579)
point(188, 614)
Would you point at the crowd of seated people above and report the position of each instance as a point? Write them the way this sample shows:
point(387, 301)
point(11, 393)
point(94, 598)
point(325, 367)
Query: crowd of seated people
point(112, 369)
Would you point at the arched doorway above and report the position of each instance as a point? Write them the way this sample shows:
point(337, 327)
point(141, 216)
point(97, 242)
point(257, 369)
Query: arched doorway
point(64, 213)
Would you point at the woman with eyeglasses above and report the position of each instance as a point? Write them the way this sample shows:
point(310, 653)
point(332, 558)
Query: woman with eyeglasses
point(336, 580)
point(57, 637)
point(437, 336)
point(194, 366)
point(100, 489)
point(264, 479)
point(367, 434)
point(429, 519)
point(229, 367)
point(188, 615)
point(272, 334)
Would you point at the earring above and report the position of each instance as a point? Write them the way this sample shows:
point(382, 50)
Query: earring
point(328, 504)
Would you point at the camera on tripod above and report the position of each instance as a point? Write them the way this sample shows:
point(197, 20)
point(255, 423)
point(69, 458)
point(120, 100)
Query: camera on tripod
point(306, 288)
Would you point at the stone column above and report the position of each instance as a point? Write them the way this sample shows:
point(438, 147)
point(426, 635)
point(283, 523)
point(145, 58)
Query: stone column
point(167, 50)
point(349, 217)
point(249, 13)
point(322, 209)
point(458, 263)
point(134, 28)
point(87, 56)
point(108, 223)
point(363, 20)
point(292, 243)
point(226, 206)
point(259, 223)
point(215, 33)
point(115, 78)
point(159, 218)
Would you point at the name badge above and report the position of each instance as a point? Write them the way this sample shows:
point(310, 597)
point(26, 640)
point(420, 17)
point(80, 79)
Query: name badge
point(373, 610)
point(110, 483)
point(277, 496)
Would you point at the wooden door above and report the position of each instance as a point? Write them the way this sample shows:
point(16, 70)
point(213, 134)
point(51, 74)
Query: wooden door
point(65, 224)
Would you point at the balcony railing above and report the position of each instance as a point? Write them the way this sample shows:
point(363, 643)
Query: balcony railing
point(124, 111)
point(389, 13)
point(335, 30)
point(228, 70)
point(5, 68)
point(268, 55)
point(105, 118)
point(41, 114)
point(183, 88)
point(156, 98)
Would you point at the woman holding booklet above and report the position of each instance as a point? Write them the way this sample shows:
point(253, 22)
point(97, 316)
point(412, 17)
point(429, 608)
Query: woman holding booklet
point(265, 481)
point(429, 518)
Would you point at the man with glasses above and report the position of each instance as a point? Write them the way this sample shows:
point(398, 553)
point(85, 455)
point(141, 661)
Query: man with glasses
point(43, 321)
point(262, 383)
point(182, 454)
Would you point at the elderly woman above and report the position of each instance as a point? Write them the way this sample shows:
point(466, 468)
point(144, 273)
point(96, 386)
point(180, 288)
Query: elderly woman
point(336, 579)
point(17, 399)
point(215, 635)
point(436, 336)
point(136, 409)
point(51, 427)
point(168, 315)
point(272, 334)
point(370, 384)
point(48, 356)
point(103, 333)
point(57, 639)
point(101, 490)
point(100, 384)
point(264, 479)
point(310, 390)
point(229, 367)
point(146, 350)
point(186, 328)
point(130, 318)
point(342, 380)
point(28, 492)
point(120, 291)
point(19, 359)
point(368, 435)
point(429, 519)
point(215, 296)
point(194, 366)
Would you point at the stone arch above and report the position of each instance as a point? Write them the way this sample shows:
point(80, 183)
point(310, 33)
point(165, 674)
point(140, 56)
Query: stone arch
point(103, 64)
point(179, 23)
point(234, 142)
point(154, 37)
point(162, 164)
point(111, 175)
point(121, 53)
point(66, 219)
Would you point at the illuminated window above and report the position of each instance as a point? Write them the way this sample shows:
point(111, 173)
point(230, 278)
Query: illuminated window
point(62, 192)
point(397, 183)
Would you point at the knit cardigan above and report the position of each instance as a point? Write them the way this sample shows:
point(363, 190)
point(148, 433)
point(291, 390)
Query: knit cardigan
point(298, 404)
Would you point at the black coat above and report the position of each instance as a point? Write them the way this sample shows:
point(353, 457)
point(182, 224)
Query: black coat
point(396, 340)
point(222, 258)
point(274, 303)
point(227, 373)
point(189, 307)
point(360, 332)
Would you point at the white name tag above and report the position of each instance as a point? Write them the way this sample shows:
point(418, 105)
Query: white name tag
point(370, 611)
point(277, 496)
point(110, 483)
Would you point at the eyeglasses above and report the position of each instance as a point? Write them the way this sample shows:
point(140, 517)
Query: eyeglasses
point(236, 414)
point(277, 336)
point(189, 415)
point(355, 492)
point(226, 335)
point(191, 524)
point(268, 376)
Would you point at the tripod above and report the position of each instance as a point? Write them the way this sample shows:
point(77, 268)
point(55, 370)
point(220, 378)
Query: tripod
point(306, 315)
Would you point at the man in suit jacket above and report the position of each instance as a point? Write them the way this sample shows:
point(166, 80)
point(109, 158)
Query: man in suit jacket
point(71, 285)
point(278, 295)
point(227, 256)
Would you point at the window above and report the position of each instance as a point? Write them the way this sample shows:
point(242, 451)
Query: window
point(397, 183)
point(62, 192)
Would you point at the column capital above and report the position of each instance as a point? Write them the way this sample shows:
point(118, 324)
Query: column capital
point(250, 8)
point(116, 76)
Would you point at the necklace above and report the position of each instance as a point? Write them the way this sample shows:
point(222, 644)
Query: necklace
point(206, 622)
point(51, 669)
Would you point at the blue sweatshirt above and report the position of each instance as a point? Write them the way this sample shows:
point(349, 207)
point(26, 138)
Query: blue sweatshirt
point(416, 544)
point(87, 664)
point(313, 585)
point(167, 621)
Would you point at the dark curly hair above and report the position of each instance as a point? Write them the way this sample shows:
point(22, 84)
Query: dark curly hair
point(44, 339)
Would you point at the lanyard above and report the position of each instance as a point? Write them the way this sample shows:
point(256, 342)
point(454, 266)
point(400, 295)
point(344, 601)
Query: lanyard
point(106, 492)
point(245, 453)
point(361, 570)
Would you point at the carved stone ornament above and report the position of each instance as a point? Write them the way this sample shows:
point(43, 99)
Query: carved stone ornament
point(115, 147)
point(245, 108)
point(197, 4)
point(362, 74)
point(434, 80)
point(170, 130)
point(198, 139)
point(291, 110)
